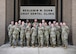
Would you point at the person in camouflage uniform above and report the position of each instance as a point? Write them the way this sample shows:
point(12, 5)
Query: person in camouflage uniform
point(34, 34)
point(65, 32)
point(43, 25)
point(46, 34)
point(16, 31)
point(50, 39)
point(53, 35)
point(19, 25)
point(40, 34)
point(22, 34)
point(36, 25)
point(58, 33)
point(28, 33)
point(10, 32)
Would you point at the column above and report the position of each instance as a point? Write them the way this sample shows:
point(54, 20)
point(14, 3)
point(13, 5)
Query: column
point(2, 21)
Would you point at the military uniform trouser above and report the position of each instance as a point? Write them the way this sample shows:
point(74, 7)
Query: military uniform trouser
point(28, 39)
point(36, 41)
point(40, 40)
point(15, 39)
point(50, 40)
point(22, 39)
point(46, 39)
point(53, 39)
point(10, 38)
point(33, 39)
point(65, 39)
point(58, 38)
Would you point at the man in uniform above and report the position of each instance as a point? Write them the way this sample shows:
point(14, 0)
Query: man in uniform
point(16, 31)
point(28, 33)
point(65, 32)
point(46, 34)
point(40, 34)
point(49, 23)
point(22, 34)
point(10, 32)
point(34, 34)
point(58, 33)
point(53, 35)
point(36, 25)
point(19, 25)
point(43, 25)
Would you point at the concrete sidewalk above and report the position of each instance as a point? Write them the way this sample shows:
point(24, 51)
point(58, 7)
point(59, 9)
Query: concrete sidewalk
point(6, 49)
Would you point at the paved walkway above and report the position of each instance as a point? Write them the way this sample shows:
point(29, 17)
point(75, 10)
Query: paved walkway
point(6, 49)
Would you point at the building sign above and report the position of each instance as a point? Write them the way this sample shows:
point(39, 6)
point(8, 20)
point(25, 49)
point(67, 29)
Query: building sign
point(37, 12)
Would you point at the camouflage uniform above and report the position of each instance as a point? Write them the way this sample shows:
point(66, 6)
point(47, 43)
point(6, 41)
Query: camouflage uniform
point(19, 26)
point(28, 33)
point(16, 34)
point(40, 35)
point(22, 35)
point(58, 34)
point(10, 33)
point(46, 35)
point(34, 35)
point(53, 36)
point(65, 32)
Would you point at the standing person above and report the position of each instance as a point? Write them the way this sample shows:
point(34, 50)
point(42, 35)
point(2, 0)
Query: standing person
point(58, 33)
point(22, 34)
point(34, 34)
point(46, 34)
point(10, 32)
point(65, 32)
point(53, 35)
point(50, 39)
point(19, 25)
point(40, 34)
point(43, 25)
point(16, 31)
point(28, 33)
point(36, 25)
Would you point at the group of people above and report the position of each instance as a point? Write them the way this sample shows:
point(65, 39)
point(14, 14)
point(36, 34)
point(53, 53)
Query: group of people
point(38, 34)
